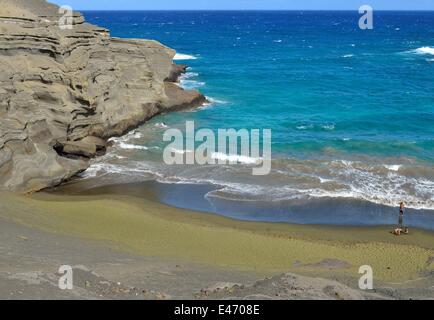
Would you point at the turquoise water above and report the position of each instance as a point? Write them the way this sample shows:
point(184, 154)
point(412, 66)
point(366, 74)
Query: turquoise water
point(351, 111)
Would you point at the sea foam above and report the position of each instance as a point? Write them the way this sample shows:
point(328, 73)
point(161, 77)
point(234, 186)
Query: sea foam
point(424, 50)
point(161, 125)
point(128, 146)
point(186, 81)
point(215, 101)
point(182, 56)
point(234, 158)
point(393, 167)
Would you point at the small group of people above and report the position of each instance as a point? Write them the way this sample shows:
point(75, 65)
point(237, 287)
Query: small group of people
point(401, 229)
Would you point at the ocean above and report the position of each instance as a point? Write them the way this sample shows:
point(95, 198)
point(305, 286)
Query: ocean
point(351, 113)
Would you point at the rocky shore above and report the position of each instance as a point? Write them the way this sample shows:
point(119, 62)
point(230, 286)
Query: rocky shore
point(64, 92)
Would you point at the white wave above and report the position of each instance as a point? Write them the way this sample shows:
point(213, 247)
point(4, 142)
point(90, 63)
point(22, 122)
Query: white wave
point(191, 84)
point(137, 135)
point(328, 127)
point(304, 127)
point(346, 163)
point(161, 125)
point(393, 167)
point(128, 146)
point(348, 56)
point(180, 151)
point(215, 101)
point(324, 180)
point(384, 184)
point(130, 135)
point(311, 126)
point(136, 169)
point(181, 56)
point(189, 75)
point(234, 158)
point(381, 190)
point(381, 197)
point(335, 179)
point(424, 50)
point(211, 102)
point(103, 168)
point(247, 192)
point(186, 81)
point(278, 41)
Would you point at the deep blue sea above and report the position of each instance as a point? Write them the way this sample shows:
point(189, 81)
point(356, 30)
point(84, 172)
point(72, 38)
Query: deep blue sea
point(351, 111)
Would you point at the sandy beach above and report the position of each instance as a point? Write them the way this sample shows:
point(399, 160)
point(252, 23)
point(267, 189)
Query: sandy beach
point(113, 235)
point(98, 173)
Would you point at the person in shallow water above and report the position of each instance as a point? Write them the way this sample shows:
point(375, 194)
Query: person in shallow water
point(401, 228)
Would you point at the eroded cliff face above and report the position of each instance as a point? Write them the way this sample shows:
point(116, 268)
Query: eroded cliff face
point(63, 92)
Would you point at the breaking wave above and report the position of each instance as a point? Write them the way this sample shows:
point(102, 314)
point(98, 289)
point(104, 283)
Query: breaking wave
point(181, 56)
point(293, 179)
point(235, 158)
point(424, 50)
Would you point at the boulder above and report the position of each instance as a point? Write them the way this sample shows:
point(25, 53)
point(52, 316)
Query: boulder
point(78, 148)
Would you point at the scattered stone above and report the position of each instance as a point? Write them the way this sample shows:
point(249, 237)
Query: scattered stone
point(286, 286)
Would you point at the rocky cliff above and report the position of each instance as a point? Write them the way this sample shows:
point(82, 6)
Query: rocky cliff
point(64, 92)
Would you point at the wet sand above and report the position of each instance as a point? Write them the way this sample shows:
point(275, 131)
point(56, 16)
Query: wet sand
point(140, 226)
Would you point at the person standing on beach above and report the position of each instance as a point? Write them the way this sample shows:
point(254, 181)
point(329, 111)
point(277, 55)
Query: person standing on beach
point(401, 216)
point(401, 229)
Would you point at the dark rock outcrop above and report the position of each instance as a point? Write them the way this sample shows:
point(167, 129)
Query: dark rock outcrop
point(176, 72)
point(64, 92)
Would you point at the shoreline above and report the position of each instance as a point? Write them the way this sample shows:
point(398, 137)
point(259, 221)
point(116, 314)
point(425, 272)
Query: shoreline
point(133, 247)
point(148, 228)
point(327, 211)
point(82, 183)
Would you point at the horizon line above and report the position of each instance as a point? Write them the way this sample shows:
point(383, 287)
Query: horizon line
point(253, 10)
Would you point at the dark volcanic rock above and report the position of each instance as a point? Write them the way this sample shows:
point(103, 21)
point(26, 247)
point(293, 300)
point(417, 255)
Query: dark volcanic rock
point(176, 72)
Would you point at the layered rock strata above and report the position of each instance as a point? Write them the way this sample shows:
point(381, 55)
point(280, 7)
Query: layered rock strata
point(65, 91)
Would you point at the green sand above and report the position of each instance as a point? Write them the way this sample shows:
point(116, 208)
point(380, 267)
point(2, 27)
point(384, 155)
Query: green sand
point(146, 227)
